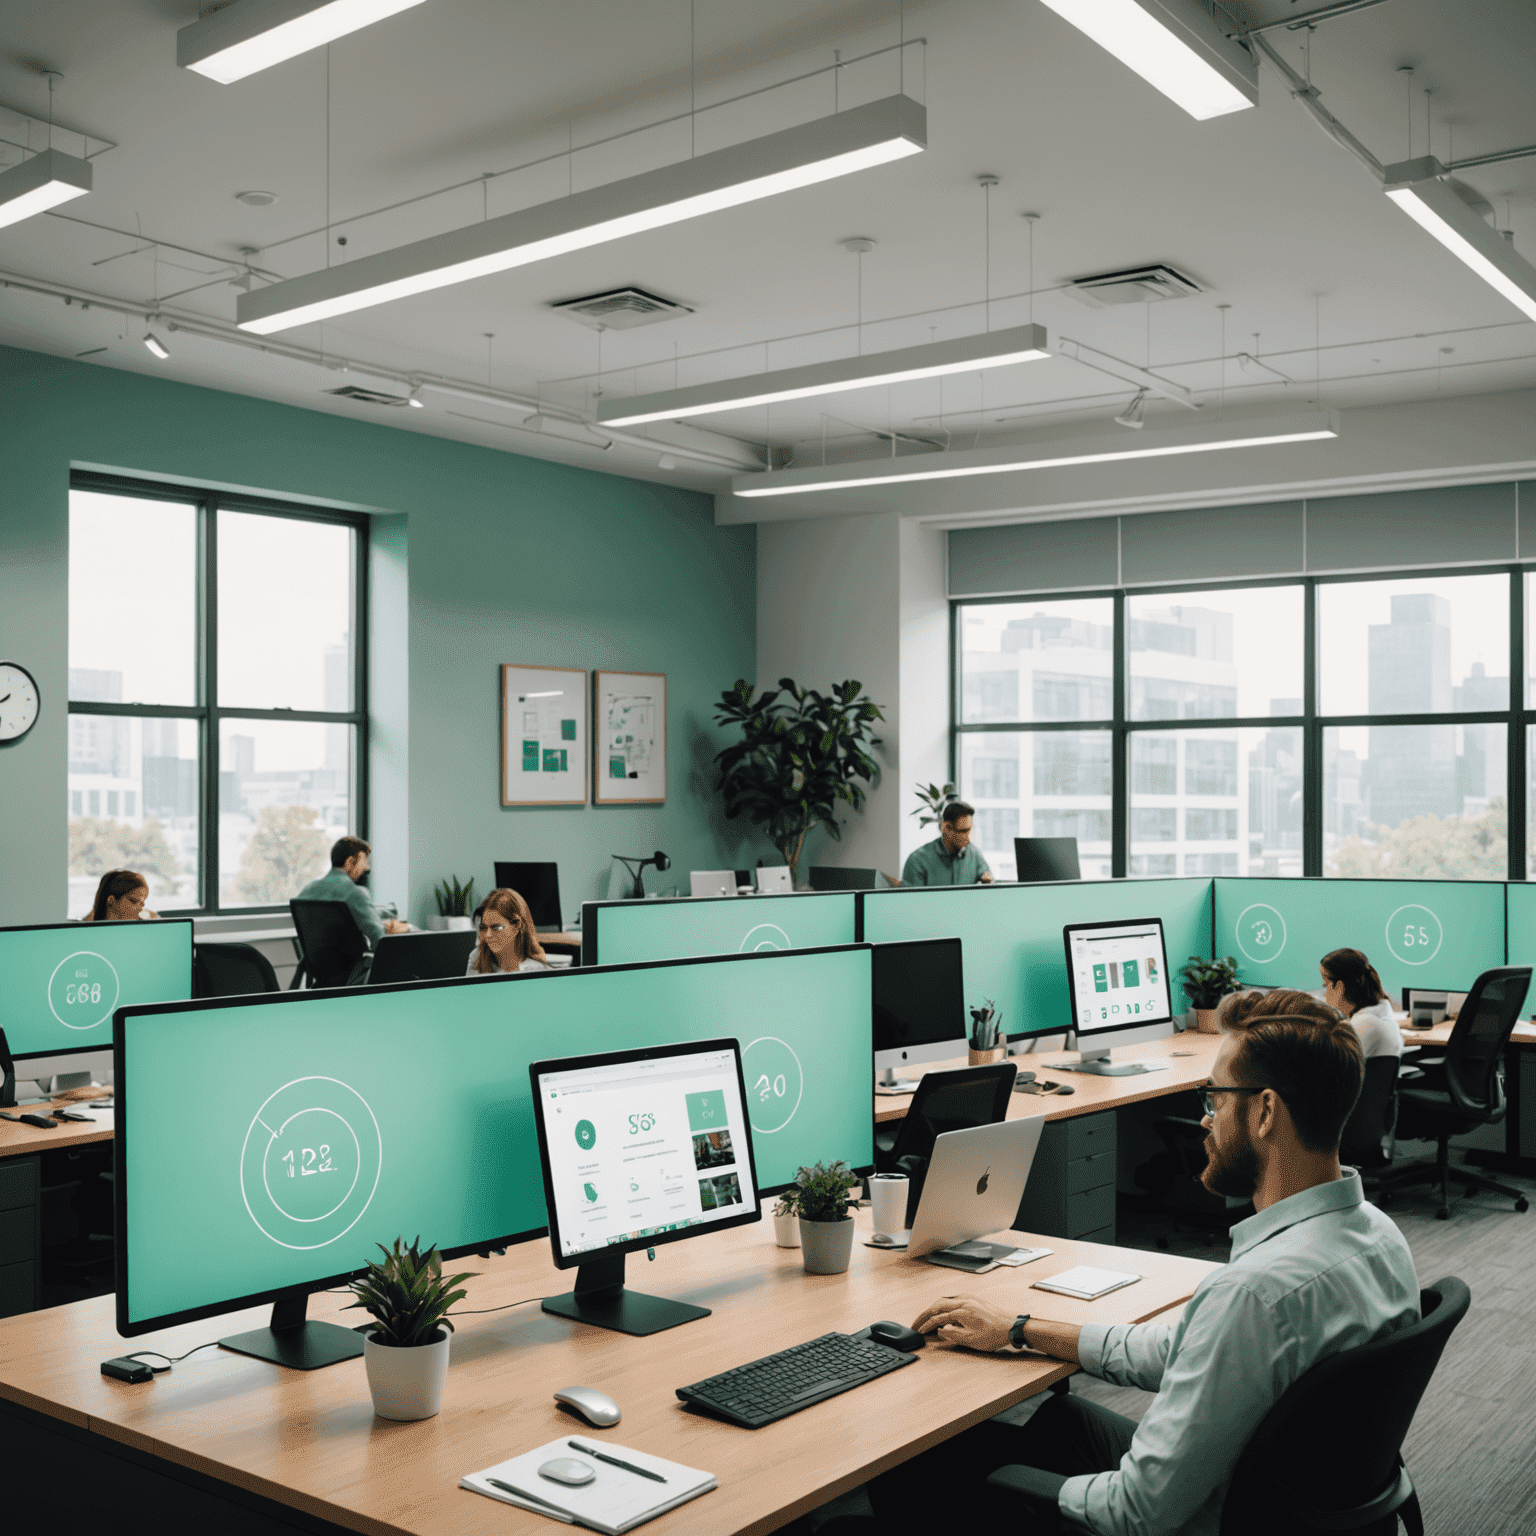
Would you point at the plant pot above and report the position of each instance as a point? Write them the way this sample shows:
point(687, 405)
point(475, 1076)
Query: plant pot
point(786, 1230)
point(1205, 1021)
point(407, 1382)
point(999, 1052)
point(828, 1245)
point(450, 924)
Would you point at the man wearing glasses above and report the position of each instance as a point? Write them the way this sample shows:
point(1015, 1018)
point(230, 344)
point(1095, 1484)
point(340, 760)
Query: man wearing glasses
point(1315, 1271)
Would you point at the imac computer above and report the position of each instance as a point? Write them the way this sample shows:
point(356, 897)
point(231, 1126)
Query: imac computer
point(640, 1148)
point(539, 886)
point(919, 995)
point(63, 981)
point(1117, 979)
point(1046, 858)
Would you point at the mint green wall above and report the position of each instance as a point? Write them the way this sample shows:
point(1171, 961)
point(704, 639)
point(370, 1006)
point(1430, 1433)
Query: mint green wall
point(486, 557)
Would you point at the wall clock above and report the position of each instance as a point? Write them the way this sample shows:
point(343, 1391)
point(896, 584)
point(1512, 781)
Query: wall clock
point(19, 700)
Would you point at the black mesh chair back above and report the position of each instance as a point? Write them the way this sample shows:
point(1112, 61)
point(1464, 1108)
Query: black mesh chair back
point(1374, 1115)
point(1482, 1030)
point(231, 970)
point(1328, 1455)
point(834, 877)
point(332, 945)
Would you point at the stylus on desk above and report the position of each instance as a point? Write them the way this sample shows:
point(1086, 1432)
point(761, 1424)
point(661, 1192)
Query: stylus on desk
point(613, 1461)
point(532, 1498)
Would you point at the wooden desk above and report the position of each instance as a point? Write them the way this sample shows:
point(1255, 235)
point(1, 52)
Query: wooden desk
point(309, 1441)
point(1525, 1034)
point(1519, 1085)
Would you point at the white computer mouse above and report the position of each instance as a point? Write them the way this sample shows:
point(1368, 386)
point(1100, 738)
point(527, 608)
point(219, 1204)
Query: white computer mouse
point(566, 1469)
point(594, 1406)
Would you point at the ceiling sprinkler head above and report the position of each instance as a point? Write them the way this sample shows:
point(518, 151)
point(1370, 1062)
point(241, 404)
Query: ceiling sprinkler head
point(1131, 416)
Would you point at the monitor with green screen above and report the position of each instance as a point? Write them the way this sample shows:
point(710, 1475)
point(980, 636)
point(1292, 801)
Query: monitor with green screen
point(348, 1118)
point(60, 983)
point(621, 932)
point(1012, 934)
point(1440, 934)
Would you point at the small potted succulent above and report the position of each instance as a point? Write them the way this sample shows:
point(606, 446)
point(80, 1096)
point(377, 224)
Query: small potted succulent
point(1206, 982)
point(455, 902)
point(406, 1349)
point(786, 1224)
point(820, 1199)
point(987, 1041)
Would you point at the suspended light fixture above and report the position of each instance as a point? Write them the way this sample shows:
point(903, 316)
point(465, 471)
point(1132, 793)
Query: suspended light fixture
point(1209, 437)
point(1132, 416)
point(1437, 207)
point(1175, 46)
point(252, 35)
point(855, 140)
point(43, 182)
point(415, 399)
point(156, 346)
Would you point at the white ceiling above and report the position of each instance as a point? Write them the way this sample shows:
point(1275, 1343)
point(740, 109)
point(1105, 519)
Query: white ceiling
point(1273, 217)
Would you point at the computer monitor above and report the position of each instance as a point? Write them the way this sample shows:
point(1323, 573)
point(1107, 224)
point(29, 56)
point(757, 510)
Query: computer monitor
point(831, 877)
point(919, 996)
point(61, 982)
point(1117, 978)
point(427, 956)
point(711, 882)
point(539, 886)
point(640, 1148)
point(618, 932)
point(1046, 858)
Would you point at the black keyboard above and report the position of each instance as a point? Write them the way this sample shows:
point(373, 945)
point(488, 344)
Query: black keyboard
point(776, 1386)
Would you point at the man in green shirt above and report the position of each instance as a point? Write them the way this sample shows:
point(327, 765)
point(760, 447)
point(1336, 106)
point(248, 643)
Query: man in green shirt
point(349, 863)
point(949, 859)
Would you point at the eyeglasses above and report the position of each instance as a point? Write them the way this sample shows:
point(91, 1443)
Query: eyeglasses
point(492, 928)
point(1208, 1103)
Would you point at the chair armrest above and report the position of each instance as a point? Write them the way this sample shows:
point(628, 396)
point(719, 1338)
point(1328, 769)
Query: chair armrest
point(1029, 1490)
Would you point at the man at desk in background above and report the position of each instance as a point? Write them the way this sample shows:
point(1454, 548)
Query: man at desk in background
point(349, 863)
point(949, 859)
point(1317, 1270)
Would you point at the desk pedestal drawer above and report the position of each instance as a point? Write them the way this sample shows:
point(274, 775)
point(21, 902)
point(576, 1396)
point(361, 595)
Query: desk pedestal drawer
point(1071, 1189)
point(20, 1235)
point(18, 1183)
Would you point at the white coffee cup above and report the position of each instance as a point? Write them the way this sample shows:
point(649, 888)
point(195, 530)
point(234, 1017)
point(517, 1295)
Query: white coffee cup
point(888, 1202)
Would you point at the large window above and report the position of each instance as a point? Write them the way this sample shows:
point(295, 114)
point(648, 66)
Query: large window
point(1347, 727)
point(216, 682)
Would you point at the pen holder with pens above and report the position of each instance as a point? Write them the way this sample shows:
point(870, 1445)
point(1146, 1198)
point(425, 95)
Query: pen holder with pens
point(988, 1043)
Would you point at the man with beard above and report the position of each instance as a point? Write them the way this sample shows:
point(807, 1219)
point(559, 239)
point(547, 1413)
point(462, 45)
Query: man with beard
point(1315, 1271)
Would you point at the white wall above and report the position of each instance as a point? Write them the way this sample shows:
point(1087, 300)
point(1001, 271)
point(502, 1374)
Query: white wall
point(923, 751)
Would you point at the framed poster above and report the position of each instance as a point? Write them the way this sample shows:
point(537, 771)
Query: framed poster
point(629, 738)
point(543, 735)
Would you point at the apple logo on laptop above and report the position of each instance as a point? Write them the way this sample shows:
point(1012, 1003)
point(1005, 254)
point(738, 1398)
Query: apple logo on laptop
point(981, 1183)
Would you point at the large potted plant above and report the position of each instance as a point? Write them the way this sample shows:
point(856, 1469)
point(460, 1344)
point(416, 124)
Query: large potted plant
point(820, 1199)
point(405, 1351)
point(1206, 982)
point(802, 754)
point(455, 902)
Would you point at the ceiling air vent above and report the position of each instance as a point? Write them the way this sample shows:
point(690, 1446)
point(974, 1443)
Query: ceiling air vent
point(1139, 285)
point(367, 396)
point(620, 309)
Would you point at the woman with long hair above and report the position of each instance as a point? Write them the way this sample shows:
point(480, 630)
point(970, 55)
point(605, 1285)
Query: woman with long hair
point(120, 898)
point(1352, 986)
point(507, 939)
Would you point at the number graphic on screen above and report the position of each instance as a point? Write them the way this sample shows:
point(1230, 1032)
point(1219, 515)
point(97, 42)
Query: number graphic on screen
point(639, 1123)
point(776, 1083)
point(310, 1161)
point(83, 990)
point(1414, 934)
point(774, 1090)
point(1260, 932)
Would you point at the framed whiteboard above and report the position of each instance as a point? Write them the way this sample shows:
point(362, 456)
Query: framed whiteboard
point(543, 735)
point(629, 738)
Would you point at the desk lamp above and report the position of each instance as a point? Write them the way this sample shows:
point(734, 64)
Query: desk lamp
point(636, 867)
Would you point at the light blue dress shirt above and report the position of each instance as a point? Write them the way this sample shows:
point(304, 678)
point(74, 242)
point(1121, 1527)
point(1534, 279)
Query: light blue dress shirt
point(1311, 1275)
point(934, 864)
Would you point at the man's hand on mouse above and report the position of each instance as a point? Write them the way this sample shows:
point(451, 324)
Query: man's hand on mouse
point(967, 1321)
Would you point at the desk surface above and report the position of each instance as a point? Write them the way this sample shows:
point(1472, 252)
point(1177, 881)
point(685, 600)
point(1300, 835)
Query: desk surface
point(1089, 1094)
point(309, 1440)
point(1525, 1034)
point(22, 1140)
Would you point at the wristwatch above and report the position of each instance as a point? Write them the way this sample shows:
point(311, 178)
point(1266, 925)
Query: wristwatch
point(1016, 1333)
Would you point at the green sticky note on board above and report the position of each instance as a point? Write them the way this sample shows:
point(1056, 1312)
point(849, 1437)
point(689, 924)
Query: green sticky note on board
point(552, 759)
point(616, 768)
point(567, 730)
point(530, 756)
point(565, 766)
point(706, 1111)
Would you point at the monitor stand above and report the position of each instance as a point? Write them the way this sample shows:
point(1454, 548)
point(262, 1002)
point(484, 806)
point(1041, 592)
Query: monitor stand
point(600, 1299)
point(291, 1341)
point(1095, 1060)
point(888, 1082)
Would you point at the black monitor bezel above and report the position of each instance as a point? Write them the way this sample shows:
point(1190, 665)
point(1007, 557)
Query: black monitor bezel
point(159, 923)
point(912, 944)
point(430, 938)
point(499, 864)
point(1137, 1023)
point(1047, 879)
point(751, 1211)
point(123, 1111)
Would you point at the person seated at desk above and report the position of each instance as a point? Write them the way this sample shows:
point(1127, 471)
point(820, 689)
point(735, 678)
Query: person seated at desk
point(1316, 1271)
point(949, 859)
point(120, 898)
point(1352, 986)
point(349, 863)
point(508, 940)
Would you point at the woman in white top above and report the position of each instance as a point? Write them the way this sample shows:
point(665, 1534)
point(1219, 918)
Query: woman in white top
point(1351, 985)
point(508, 940)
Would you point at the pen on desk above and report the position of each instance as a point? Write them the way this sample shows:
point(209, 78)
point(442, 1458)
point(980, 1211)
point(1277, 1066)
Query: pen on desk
point(613, 1461)
point(532, 1498)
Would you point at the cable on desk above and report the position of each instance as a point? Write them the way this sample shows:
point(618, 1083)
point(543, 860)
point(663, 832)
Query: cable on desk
point(481, 1311)
point(170, 1360)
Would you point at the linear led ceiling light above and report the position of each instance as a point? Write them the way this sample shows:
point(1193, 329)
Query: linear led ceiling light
point(252, 35)
point(966, 354)
point(1173, 45)
point(854, 140)
point(41, 183)
point(1435, 205)
point(1208, 437)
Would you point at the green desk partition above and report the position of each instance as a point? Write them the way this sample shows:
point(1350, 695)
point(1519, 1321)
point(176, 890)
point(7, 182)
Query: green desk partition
point(1520, 943)
point(1013, 950)
point(625, 932)
point(1417, 933)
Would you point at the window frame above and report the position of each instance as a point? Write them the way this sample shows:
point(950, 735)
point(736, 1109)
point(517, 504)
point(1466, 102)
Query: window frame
point(208, 713)
point(1516, 717)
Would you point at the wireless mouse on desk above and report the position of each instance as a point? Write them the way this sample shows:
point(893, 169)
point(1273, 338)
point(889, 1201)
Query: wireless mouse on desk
point(896, 1336)
point(594, 1406)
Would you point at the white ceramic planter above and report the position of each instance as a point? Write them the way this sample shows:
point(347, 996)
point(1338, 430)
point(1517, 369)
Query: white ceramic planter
point(406, 1383)
point(786, 1230)
point(828, 1245)
point(450, 924)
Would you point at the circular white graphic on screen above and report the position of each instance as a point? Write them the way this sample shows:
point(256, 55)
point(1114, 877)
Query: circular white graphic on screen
point(774, 1084)
point(764, 936)
point(82, 992)
point(1260, 933)
point(1414, 934)
point(311, 1162)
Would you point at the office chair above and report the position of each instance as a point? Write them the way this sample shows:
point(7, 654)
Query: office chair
point(333, 951)
point(944, 1101)
point(1328, 1455)
point(1465, 1090)
point(1373, 1118)
point(834, 877)
point(1177, 1189)
point(231, 970)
